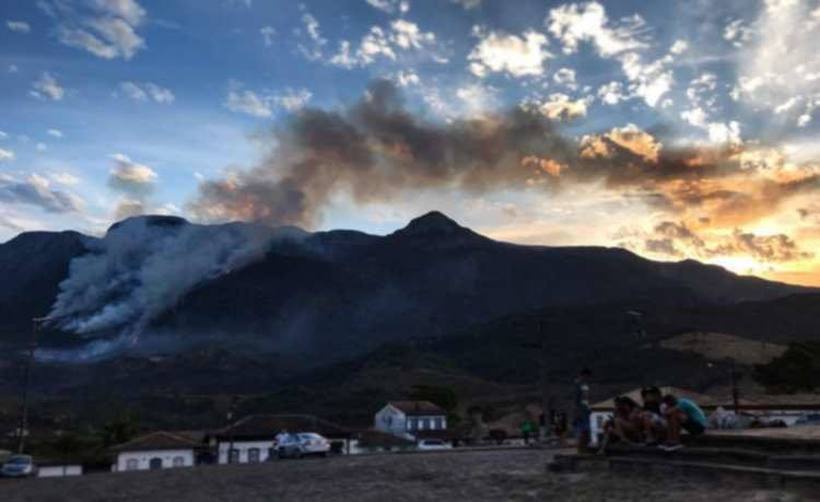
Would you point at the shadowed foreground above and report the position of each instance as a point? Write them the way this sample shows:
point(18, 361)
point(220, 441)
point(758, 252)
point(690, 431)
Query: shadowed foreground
point(476, 475)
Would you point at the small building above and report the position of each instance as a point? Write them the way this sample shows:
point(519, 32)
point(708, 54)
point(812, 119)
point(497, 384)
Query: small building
point(57, 469)
point(157, 450)
point(252, 439)
point(410, 419)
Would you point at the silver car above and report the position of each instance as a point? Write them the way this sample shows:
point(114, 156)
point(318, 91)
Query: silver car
point(19, 466)
point(303, 444)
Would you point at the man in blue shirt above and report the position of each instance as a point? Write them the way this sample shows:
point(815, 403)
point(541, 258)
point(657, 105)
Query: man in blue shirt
point(682, 413)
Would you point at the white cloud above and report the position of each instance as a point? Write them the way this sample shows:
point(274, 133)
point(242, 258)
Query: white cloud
point(561, 107)
point(64, 178)
point(778, 69)
point(406, 78)
point(737, 33)
point(105, 28)
point(724, 132)
point(649, 81)
point(312, 47)
point(47, 87)
point(3, 135)
point(679, 47)
point(18, 26)
point(36, 190)
point(267, 33)
point(477, 98)
point(565, 76)
point(575, 23)
point(131, 177)
point(515, 55)
point(264, 104)
point(144, 91)
point(390, 6)
point(612, 93)
point(467, 4)
point(385, 43)
point(55, 133)
point(6, 155)
point(13, 68)
point(41, 147)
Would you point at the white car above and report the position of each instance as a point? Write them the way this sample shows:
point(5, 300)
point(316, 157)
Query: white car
point(19, 466)
point(433, 444)
point(303, 444)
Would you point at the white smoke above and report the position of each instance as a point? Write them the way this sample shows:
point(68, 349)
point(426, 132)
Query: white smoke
point(141, 268)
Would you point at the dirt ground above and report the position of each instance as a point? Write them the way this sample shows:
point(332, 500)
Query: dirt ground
point(475, 475)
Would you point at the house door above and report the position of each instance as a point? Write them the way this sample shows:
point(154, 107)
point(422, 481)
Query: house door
point(155, 463)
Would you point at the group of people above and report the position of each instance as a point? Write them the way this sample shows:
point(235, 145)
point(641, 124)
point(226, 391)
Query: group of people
point(658, 420)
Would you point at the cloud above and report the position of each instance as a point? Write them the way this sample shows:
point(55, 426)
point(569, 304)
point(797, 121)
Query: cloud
point(64, 178)
point(264, 104)
point(561, 107)
point(105, 28)
point(612, 93)
point(36, 191)
point(387, 43)
point(6, 155)
point(517, 56)
point(144, 91)
point(267, 33)
point(406, 78)
point(737, 33)
point(575, 23)
point(131, 177)
point(18, 26)
point(565, 77)
point(47, 87)
point(390, 6)
point(56, 133)
point(312, 44)
point(619, 140)
point(467, 4)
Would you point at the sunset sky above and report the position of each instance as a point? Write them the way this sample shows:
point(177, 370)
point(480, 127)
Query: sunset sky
point(675, 129)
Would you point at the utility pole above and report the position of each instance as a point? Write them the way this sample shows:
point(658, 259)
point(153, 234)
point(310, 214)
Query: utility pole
point(22, 427)
point(735, 390)
point(231, 411)
point(546, 398)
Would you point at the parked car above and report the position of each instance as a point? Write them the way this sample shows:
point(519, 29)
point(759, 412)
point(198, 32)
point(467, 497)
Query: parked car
point(303, 444)
point(19, 466)
point(433, 444)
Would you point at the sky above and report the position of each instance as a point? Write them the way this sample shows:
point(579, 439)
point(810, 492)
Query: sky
point(674, 129)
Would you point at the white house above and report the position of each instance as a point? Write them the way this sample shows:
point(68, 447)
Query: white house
point(252, 439)
point(157, 450)
point(411, 419)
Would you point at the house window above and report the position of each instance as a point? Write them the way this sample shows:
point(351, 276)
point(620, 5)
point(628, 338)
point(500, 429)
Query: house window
point(423, 424)
point(439, 422)
point(233, 456)
point(253, 455)
point(131, 464)
point(155, 463)
point(178, 461)
point(411, 424)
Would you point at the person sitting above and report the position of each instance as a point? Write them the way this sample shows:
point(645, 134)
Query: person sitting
point(625, 425)
point(654, 424)
point(682, 413)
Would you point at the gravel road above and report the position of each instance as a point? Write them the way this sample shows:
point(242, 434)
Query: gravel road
point(475, 475)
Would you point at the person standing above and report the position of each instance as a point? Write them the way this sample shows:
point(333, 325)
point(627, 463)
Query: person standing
point(583, 412)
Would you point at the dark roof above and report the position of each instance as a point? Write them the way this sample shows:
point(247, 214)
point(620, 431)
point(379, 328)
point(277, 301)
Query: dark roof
point(417, 407)
point(373, 438)
point(160, 440)
point(268, 426)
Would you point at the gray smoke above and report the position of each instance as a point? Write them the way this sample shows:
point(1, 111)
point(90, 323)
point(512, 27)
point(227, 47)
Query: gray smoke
point(140, 269)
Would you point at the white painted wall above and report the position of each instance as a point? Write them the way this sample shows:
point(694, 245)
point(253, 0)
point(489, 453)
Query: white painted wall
point(54, 471)
point(141, 460)
point(244, 447)
point(390, 420)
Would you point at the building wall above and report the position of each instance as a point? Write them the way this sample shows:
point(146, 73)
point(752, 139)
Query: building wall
point(244, 447)
point(390, 420)
point(53, 471)
point(141, 460)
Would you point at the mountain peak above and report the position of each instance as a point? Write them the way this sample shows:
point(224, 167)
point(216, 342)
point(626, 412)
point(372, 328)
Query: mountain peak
point(436, 226)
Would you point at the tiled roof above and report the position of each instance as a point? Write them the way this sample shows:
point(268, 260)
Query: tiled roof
point(268, 426)
point(417, 407)
point(160, 440)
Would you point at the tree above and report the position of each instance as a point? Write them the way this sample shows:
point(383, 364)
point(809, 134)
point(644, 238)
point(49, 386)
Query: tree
point(120, 429)
point(68, 445)
point(798, 369)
